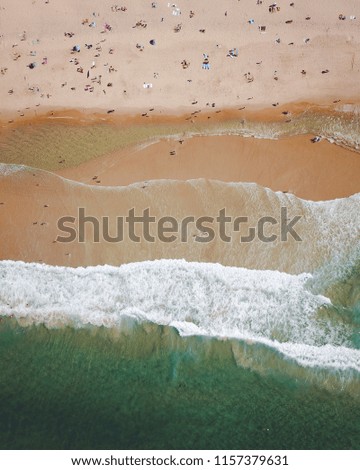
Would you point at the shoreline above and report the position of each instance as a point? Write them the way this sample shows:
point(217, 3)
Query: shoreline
point(158, 115)
point(33, 201)
point(180, 224)
point(291, 165)
point(115, 150)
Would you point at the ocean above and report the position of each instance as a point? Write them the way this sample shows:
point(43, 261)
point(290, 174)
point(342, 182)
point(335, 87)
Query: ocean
point(171, 354)
point(254, 347)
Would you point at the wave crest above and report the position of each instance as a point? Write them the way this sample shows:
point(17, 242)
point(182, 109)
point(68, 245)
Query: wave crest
point(269, 307)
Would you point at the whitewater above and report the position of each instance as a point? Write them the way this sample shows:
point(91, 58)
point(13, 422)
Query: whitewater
point(279, 310)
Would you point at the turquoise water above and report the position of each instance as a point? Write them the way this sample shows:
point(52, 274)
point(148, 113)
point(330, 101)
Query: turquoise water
point(88, 377)
point(151, 389)
point(176, 355)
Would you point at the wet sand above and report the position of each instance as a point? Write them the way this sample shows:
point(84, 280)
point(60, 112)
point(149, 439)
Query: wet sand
point(120, 150)
point(320, 171)
point(32, 201)
point(94, 61)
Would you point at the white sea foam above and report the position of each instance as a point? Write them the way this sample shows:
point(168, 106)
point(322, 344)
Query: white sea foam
point(9, 169)
point(268, 307)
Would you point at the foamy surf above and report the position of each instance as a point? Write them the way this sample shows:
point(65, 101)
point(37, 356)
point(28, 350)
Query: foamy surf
point(275, 309)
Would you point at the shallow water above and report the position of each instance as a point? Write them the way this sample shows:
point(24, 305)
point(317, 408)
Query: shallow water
point(45, 145)
point(169, 354)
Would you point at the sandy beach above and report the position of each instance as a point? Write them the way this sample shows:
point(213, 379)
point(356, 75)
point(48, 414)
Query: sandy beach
point(91, 55)
point(33, 202)
point(292, 165)
point(180, 229)
point(175, 75)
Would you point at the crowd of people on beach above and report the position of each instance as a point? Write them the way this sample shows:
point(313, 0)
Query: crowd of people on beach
point(105, 48)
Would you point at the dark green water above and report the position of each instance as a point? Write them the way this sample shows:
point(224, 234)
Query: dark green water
point(147, 388)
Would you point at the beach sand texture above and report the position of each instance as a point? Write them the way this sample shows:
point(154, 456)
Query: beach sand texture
point(306, 61)
point(193, 109)
point(267, 69)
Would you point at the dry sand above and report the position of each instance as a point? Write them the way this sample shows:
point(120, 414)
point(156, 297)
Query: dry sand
point(266, 75)
point(322, 42)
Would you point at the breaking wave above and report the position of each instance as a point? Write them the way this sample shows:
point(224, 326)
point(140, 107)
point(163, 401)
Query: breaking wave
point(280, 311)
